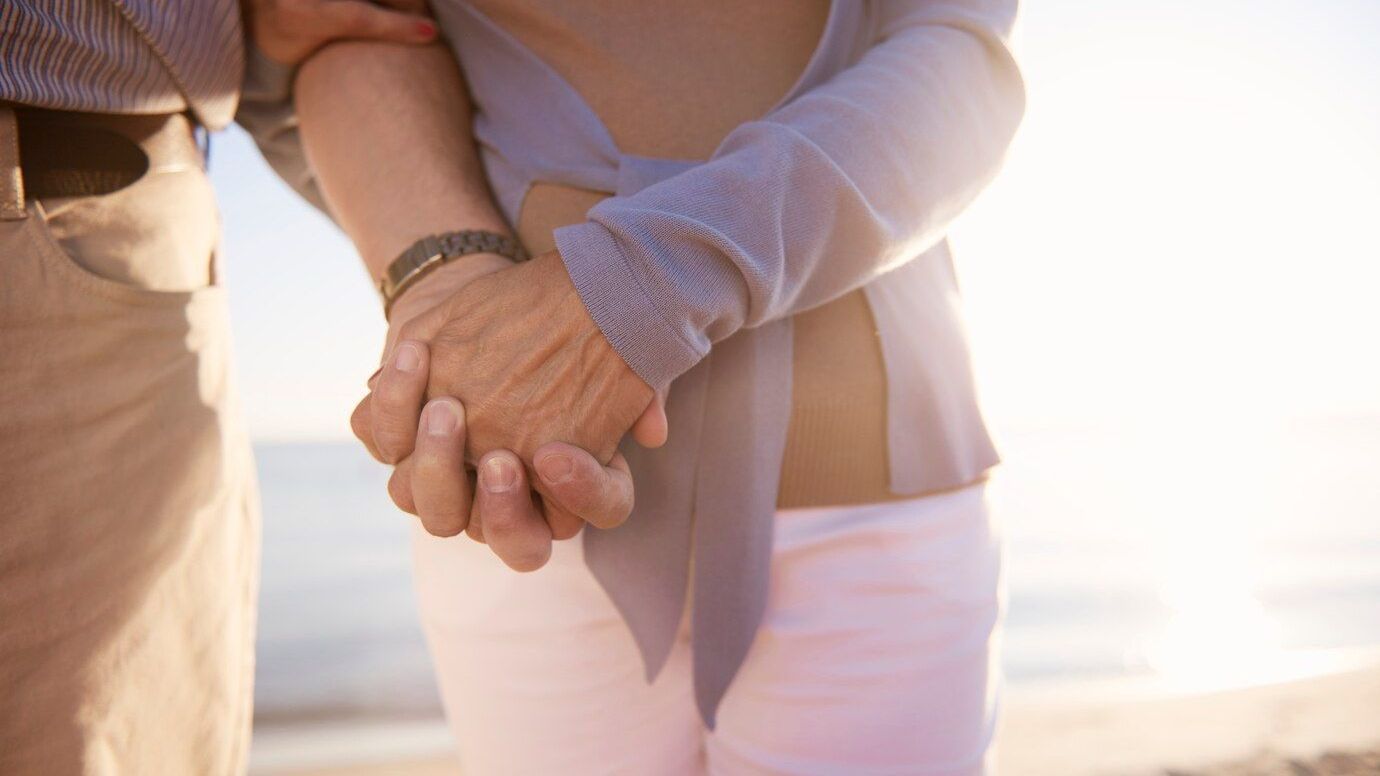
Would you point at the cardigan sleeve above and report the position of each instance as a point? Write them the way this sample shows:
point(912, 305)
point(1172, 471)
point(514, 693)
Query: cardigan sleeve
point(846, 181)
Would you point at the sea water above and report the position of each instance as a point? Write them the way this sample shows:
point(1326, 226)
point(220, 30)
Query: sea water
point(1192, 553)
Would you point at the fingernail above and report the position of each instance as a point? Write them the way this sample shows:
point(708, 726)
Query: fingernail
point(498, 475)
point(426, 29)
point(408, 359)
point(556, 469)
point(441, 418)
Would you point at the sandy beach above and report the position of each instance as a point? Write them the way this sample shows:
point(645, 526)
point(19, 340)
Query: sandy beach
point(1311, 726)
point(1324, 726)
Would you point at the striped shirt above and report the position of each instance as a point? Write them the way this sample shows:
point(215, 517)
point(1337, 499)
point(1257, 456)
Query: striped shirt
point(123, 56)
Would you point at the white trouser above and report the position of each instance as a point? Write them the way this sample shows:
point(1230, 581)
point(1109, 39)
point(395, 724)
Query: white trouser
point(876, 655)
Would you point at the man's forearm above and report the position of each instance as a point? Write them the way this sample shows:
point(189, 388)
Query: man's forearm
point(387, 130)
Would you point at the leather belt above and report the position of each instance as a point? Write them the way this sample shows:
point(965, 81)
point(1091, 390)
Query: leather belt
point(71, 154)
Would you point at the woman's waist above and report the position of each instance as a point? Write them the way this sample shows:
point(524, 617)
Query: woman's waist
point(837, 440)
point(838, 415)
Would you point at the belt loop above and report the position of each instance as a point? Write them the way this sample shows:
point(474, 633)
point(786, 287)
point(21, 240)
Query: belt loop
point(11, 177)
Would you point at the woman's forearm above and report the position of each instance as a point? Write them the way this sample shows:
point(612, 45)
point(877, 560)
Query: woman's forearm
point(387, 130)
point(836, 187)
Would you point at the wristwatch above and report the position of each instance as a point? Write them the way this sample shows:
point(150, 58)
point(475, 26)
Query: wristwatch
point(431, 252)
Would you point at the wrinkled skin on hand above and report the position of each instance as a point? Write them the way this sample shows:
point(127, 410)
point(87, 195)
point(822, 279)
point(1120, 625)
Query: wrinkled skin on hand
point(519, 350)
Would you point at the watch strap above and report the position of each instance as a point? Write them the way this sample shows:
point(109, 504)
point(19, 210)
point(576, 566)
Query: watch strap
point(434, 251)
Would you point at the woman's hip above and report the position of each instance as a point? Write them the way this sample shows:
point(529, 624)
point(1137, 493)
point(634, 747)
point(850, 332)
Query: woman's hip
point(875, 653)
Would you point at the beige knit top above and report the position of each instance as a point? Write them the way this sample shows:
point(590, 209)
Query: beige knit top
point(671, 80)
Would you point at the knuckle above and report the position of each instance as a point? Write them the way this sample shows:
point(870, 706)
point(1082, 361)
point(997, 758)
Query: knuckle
point(609, 513)
point(299, 20)
point(499, 521)
point(359, 426)
point(392, 419)
point(395, 391)
point(443, 523)
point(401, 495)
point(393, 446)
point(527, 556)
point(395, 434)
point(581, 498)
point(353, 15)
point(562, 530)
point(430, 463)
point(409, 332)
point(475, 530)
point(393, 439)
point(604, 520)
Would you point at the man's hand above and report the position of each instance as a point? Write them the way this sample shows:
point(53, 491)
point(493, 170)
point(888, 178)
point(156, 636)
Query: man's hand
point(518, 348)
point(288, 31)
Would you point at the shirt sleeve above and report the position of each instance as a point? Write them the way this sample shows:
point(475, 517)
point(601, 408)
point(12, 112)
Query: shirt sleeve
point(268, 114)
point(845, 182)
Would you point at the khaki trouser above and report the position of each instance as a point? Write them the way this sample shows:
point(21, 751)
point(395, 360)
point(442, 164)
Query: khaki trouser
point(128, 509)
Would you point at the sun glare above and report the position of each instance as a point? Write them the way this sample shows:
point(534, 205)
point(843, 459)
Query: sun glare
point(1198, 207)
point(1181, 253)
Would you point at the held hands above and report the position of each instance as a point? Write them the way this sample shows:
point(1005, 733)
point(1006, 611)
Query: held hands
point(522, 382)
point(539, 386)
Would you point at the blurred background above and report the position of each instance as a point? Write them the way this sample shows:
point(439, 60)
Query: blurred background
point(1174, 296)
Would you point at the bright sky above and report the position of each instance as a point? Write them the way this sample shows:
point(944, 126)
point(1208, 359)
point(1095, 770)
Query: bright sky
point(1187, 226)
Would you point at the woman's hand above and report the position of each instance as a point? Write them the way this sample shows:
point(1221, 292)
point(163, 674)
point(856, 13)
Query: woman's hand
point(289, 31)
